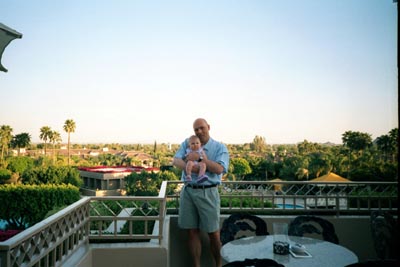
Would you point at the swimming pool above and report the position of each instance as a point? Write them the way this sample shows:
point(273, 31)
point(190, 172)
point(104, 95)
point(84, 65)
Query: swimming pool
point(289, 206)
point(3, 224)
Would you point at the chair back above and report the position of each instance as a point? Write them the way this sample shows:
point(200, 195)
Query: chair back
point(385, 234)
point(313, 225)
point(239, 225)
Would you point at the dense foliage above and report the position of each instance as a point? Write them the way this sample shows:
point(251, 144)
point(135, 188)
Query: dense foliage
point(359, 158)
point(4, 175)
point(24, 205)
point(42, 176)
point(148, 184)
point(52, 175)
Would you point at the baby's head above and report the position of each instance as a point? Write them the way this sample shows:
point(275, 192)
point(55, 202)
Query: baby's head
point(194, 142)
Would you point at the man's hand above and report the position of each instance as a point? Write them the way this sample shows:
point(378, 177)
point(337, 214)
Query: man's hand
point(203, 156)
point(193, 156)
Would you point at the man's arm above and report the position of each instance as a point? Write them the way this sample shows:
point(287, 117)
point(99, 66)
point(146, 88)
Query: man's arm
point(179, 163)
point(178, 160)
point(213, 166)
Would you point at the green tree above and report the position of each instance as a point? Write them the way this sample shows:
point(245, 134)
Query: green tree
point(319, 164)
point(42, 161)
point(169, 176)
point(258, 168)
point(4, 176)
point(142, 184)
point(259, 144)
point(291, 166)
point(306, 147)
point(109, 160)
point(24, 205)
point(240, 167)
point(21, 140)
point(387, 144)
point(148, 183)
point(55, 138)
point(384, 145)
point(5, 139)
point(356, 141)
point(394, 137)
point(281, 150)
point(45, 133)
point(302, 173)
point(339, 157)
point(69, 127)
point(52, 175)
point(20, 164)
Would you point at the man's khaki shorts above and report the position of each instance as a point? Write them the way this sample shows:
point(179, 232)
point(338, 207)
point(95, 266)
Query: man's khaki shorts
point(199, 209)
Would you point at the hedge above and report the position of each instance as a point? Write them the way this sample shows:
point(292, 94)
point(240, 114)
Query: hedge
point(24, 205)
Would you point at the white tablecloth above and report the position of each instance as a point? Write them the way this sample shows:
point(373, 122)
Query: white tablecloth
point(324, 254)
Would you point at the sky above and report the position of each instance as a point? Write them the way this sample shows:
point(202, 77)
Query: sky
point(143, 71)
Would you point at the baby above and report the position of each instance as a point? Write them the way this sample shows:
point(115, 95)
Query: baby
point(195, 146)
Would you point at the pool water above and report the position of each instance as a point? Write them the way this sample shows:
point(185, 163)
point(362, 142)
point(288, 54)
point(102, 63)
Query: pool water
point(289, 206)
point(3, 224)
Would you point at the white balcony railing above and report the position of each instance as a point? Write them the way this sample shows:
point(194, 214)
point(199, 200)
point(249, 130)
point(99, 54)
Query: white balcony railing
point(109, 219)
point(52, 241)
point(292, 197)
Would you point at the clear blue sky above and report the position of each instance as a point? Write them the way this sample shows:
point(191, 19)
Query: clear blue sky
point(142, 71)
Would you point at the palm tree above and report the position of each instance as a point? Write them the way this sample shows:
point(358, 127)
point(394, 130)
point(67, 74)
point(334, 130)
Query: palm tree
point(45, 133)
point(302, 173)
point(21, 140)
point(69, 127)
point(384, 144)
point(5, 139)
point(55, 137)
point(394, 136)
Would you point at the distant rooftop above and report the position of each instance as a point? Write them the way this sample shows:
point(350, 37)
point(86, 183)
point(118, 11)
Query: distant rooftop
point(116, 169)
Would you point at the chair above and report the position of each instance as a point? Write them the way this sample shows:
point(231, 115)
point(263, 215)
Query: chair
point(238, 222)
point(254, 262)
point(306, 225)
point(385, 234)
point(375, 263)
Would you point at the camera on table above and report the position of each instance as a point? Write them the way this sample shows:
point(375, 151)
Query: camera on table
point(281, 248)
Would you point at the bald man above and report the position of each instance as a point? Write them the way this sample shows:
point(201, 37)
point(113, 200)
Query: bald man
point(199, 207)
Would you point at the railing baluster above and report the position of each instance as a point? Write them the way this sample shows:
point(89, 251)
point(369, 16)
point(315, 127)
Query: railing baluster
point(58, 236)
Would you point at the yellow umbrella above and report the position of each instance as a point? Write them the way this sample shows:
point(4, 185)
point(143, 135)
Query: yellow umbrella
point(277, 187)
point(330, 177)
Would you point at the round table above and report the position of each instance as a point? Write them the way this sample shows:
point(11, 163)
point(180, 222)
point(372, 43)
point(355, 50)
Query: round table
point(323, 253)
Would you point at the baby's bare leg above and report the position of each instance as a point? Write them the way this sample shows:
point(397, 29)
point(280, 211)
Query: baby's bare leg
point(202, 168)
point(188, 169)
point(202, 173)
